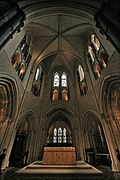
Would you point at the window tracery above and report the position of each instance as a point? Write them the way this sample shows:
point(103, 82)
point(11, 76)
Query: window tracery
point(60, 135)
point(60, 87)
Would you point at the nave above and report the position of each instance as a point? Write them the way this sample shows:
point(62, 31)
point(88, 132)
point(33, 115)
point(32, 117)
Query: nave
point(60, 88)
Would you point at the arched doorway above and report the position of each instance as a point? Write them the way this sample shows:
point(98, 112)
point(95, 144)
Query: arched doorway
point(96, 149)
point(19, 154)
point(25, 147)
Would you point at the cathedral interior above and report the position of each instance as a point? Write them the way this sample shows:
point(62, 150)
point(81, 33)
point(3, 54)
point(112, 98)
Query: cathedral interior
point(60, 82)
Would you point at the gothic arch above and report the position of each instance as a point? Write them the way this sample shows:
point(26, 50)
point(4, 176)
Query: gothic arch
point(93, 138)
point(63, 7)
point(62, 110)
point(31, 118)
point(110, 107)
point(109, 96)
point(9, 98)
point(88, 117)
point(26, 137)
point(110, 104)
point(69, 118)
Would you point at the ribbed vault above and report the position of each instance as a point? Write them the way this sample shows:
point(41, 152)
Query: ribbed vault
point(59, 26)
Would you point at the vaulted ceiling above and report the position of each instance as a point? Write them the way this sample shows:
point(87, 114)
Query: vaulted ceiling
point(60, 27)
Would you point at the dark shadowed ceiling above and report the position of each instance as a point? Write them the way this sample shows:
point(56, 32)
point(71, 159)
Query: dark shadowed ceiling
point(60, 27)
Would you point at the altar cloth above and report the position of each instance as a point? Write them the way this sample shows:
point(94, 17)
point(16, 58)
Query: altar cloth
point(59, 156)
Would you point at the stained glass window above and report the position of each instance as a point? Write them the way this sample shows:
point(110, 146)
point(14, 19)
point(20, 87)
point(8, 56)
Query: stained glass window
point(38, 73)
point(64, 136)
point(64, 80)
point(97, 55)
point(60, 87)
point(37, 81)
point(55, 136)
point(81, 72)
point(59, 135)
point(56, 80)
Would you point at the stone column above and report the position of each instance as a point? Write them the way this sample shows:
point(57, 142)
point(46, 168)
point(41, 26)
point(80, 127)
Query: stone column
point(111, 144)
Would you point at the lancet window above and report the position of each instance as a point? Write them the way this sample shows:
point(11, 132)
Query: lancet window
point(22, 56)
point(82, 81)
point(60, 135)
point(97, 55)
point(60, 87)
point(56, 80)
point(37, 81)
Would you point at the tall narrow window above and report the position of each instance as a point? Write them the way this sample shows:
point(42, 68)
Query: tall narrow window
point(64, 80)
point(81, 72)
point(37, 81)
point(38, 73)
point(92, 54)
point(97, 56)
point(56, 80)
point(95, 42)
point(55, 136)
point(82, 81)
point(22, 56)
point(59, 135)
point(64, 136)
point(64, 87)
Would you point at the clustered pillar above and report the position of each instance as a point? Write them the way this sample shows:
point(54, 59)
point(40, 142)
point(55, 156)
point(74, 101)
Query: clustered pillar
point(108, 21)
point(11, 20)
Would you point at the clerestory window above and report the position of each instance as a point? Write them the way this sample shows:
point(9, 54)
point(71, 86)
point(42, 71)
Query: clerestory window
point(56, 80)
point(36, 86)
point(22, 56)
point(64, 80)
point(97, 55)
point(81, 80)
point(60, 86)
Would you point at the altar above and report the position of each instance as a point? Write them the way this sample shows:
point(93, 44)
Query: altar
point(59, 156)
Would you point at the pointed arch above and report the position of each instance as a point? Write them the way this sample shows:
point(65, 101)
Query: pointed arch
point(94, 139)
point(8, 98)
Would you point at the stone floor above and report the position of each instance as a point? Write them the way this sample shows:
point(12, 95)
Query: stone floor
point(107, 174)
